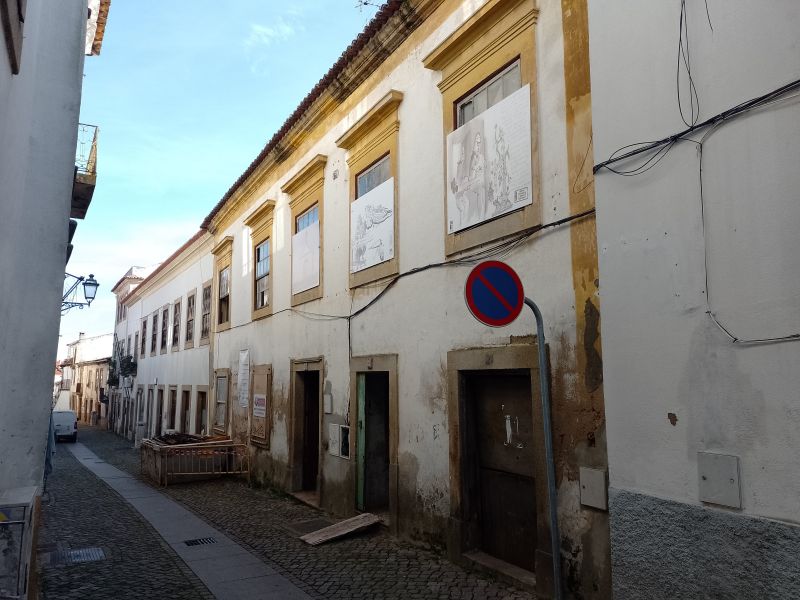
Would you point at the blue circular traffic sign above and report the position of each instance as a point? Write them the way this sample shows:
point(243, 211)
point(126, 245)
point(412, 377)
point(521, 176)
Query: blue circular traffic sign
point(494, 293)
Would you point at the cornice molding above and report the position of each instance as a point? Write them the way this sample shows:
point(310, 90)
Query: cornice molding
point(225, 246)
point(384, 108)
point(314, 170)
point(455, 45)
point(260, 215)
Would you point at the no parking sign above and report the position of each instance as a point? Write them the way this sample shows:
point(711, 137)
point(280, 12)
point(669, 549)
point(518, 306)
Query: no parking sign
point(494, 293)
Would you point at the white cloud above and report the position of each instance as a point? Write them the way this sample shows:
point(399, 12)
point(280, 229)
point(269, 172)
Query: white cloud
point(266, 35)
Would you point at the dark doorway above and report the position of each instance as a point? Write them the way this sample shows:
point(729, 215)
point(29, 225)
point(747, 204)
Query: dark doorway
point(499, 472)
point(307, 390)
point(185, 400)
point(149, 416)
point(172, 408)
point(159, 411)
point(373, 441)
point(200, 414)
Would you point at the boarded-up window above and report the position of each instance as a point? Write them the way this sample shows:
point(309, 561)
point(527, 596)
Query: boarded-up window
point(261, 405)
point(221, 402)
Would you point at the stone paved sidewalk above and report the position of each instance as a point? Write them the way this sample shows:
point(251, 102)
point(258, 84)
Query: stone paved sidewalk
point(80, 511)
point(369, 566)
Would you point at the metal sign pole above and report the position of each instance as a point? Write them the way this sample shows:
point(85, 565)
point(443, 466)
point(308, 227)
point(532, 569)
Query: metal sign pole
point(544, 384)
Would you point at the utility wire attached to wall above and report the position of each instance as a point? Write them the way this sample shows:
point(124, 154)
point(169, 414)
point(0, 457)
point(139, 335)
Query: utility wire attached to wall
point(654, 152)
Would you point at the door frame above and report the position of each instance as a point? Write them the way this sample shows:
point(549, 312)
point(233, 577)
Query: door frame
point(464, 532)
point(371, 364)
point(295, 425)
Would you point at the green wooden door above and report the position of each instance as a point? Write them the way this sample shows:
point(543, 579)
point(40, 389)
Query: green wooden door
point(361, 386)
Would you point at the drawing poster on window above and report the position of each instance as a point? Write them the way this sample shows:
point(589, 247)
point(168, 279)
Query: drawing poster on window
point(489, 163)
point(243, 378)
point(372, 227)
point(305, 259)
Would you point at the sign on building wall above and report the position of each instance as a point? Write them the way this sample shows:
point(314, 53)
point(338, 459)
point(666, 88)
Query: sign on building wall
point(243, 378)
point(489, 163)
point(372, 227)
point(305, 259)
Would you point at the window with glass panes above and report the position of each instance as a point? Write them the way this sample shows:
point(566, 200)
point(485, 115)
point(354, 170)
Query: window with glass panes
point(205, 324)
point(488, 94)
point(373, 176)
point(190, 318)
point(164, 326)
point(176, 324)
point(143, 349)
point(221, 398)
point(136, 344)
point(308, 218)
point(154, 334)
point(262, 274)
point(224, 295)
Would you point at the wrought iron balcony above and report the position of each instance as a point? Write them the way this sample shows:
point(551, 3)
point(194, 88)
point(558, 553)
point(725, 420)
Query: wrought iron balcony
point(85, 170)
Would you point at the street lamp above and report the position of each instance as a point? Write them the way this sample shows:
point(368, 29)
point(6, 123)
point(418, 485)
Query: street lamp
point(90, 286)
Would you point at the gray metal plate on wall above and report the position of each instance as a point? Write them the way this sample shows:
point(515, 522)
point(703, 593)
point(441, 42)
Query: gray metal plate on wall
point(718, 479)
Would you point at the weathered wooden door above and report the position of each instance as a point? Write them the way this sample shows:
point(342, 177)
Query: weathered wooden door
point(503, 414)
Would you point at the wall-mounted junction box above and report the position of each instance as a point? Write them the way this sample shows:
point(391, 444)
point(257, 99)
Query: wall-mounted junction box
point(718, 479)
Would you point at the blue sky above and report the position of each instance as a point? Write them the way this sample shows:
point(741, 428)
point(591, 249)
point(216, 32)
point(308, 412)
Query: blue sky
point(186, 93)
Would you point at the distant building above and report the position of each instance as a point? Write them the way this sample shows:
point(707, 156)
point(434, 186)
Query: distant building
point(88, 360)
point(162, 343)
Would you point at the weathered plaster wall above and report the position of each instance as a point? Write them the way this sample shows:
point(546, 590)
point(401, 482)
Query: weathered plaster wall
point(424, 316)
point(38, 128)
point(675, 383)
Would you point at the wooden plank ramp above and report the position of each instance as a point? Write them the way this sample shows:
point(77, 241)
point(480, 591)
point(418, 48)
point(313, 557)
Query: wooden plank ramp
point(341, 529)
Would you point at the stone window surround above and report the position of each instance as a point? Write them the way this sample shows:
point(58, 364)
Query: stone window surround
point(373, 137)
point(212, 415)
point(207, 285)
point(175, 343)
point(165, 330)
point(305, 190)
point(499, 33)
point(223, 254)
point(261, 371)
point(260, 224)
point(187, 342)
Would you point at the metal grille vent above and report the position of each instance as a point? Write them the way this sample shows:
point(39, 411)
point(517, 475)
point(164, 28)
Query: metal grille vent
point(73, 557)
point(200, 541)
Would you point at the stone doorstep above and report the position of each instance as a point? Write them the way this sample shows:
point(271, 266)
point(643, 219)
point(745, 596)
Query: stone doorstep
point(501, 570)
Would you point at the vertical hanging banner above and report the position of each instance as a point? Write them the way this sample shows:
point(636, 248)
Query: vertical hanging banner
point(243, 378)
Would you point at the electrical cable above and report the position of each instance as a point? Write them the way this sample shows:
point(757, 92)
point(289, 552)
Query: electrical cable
point(662, 147)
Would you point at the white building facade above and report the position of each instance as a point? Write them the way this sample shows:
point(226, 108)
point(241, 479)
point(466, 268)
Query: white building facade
point(88, 360)
point(699, 288)
point(160, 329)
point(41, 72)
point(340, 347)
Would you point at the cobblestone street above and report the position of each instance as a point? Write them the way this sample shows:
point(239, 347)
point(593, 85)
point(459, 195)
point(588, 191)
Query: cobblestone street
point(369, 566)
point(80, 511)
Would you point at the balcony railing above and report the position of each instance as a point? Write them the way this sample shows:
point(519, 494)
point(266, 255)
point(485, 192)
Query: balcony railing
point(86, 150)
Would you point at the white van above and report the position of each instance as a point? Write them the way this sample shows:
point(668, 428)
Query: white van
point(65, 423)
